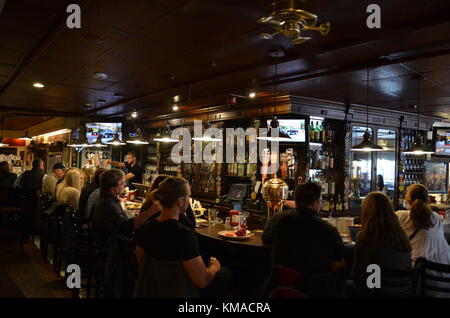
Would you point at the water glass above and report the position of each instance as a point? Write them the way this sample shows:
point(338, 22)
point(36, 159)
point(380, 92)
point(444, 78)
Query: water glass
point(212, 214)
point(227, 223)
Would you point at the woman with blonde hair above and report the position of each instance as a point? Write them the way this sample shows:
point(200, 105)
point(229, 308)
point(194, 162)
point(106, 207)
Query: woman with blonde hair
point(423, 227)
point(381, 239)
point(69, 190)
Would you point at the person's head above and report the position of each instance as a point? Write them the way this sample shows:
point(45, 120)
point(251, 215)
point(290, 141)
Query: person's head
point(173, 193)
point(417, 200)
point(38, 164)
point(74, 178)
point(97, 174)
point(112, 181)
point(58, 170)
point(380, 182)
point(90, 173)
point(4, 167)
point(155, 184)
point(308, 195)
point(380, 225)
point(131, 157)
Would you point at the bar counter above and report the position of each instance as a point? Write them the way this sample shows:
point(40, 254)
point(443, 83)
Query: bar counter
point(212, 231)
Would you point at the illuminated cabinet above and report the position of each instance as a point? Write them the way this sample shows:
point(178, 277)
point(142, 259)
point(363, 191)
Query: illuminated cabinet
point(372, 171)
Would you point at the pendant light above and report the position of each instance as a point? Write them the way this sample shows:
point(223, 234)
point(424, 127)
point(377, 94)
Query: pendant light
point(137, 140)
point(274, 123)
point(418, 148)
point(208, 124)
point(81, 141)
point(98, 142)
point(116, 140)
point(367, 145)
point(26, 137)
point(166, 135)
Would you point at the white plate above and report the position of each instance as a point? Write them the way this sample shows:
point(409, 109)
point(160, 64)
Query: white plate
point(234, 238)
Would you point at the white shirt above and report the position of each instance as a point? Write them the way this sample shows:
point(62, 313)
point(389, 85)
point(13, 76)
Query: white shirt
point(430, 243)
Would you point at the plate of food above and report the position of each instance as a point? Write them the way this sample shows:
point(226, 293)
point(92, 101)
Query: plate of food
point(239, 235)
point(134, 205)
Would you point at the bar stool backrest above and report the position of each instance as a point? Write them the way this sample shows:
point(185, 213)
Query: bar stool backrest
point(435, 279)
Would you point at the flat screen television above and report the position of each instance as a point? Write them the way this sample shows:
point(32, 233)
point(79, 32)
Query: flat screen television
point(107, 131)
point(441, 137)
point(294, 128)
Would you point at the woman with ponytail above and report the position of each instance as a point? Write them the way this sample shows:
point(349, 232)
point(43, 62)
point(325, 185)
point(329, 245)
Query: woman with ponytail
point(423, 227)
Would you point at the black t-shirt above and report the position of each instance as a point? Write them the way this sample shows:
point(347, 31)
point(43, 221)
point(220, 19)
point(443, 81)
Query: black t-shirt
point(137, 171)
point(303, 241)
point(168, 240)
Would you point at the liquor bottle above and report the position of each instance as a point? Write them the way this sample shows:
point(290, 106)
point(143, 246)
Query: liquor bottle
point(311, 132)
point(331, 160)
point(317, 132)
point(339, 206)
point(323, 133)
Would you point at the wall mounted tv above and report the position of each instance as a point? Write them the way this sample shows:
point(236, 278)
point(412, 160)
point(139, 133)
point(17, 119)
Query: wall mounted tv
point(441, 138)
point(107, 131)
point(294, 128)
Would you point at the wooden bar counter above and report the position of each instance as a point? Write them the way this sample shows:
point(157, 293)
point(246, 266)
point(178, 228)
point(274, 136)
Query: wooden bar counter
point(249, 259)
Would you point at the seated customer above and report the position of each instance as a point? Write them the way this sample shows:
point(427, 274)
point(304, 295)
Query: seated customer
point(7, 178)
point(50, 180)
point(301, 240)
point(89, 203)
point(423, 227)
point(68, 191)
point(187, 218)
point(88, 188)
point(172, 265)
point(381, 239)
point(107, 216)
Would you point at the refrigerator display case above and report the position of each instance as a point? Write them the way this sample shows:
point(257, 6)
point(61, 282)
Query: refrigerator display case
point(372, 171)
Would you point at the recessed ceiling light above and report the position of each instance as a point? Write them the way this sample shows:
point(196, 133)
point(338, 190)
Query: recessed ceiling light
point(87, 105)
point(38, 85)
point(134, 114)
point(252, 94)
point(176, 98)
point(175, 108)
point(100, 75)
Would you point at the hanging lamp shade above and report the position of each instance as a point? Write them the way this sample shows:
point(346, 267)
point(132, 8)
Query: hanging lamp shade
point(281, 135)
point(26, 137)
point(206, 138)
point(116, 141)
point(418, 148)
point(367, 145)
point(165, 136)
point(137, 140)
point(2, 144)
point(98, 142)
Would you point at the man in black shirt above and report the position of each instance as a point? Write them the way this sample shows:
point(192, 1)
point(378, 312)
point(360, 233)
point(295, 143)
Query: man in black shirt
point(107, 216)
point(301, 240)
point(134, 170)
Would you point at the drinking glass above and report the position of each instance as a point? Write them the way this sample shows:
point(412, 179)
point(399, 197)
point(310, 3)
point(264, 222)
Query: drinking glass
point(212, 214)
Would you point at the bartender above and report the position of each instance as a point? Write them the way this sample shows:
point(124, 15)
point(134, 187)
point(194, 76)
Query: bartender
point(134, 170)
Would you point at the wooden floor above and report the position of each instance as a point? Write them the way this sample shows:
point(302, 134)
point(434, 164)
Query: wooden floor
point(24, 275)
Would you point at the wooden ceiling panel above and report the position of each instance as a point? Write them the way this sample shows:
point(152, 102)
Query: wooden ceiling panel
point(430, 64)
point(21, 122)
point(76, 44)
point(128, 16)
point(10, 57)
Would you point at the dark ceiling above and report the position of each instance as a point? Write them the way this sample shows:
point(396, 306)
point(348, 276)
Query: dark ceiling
point(152, 50)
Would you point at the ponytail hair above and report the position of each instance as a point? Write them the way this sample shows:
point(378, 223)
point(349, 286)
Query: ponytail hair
point(169, 191)
point(420, 212)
